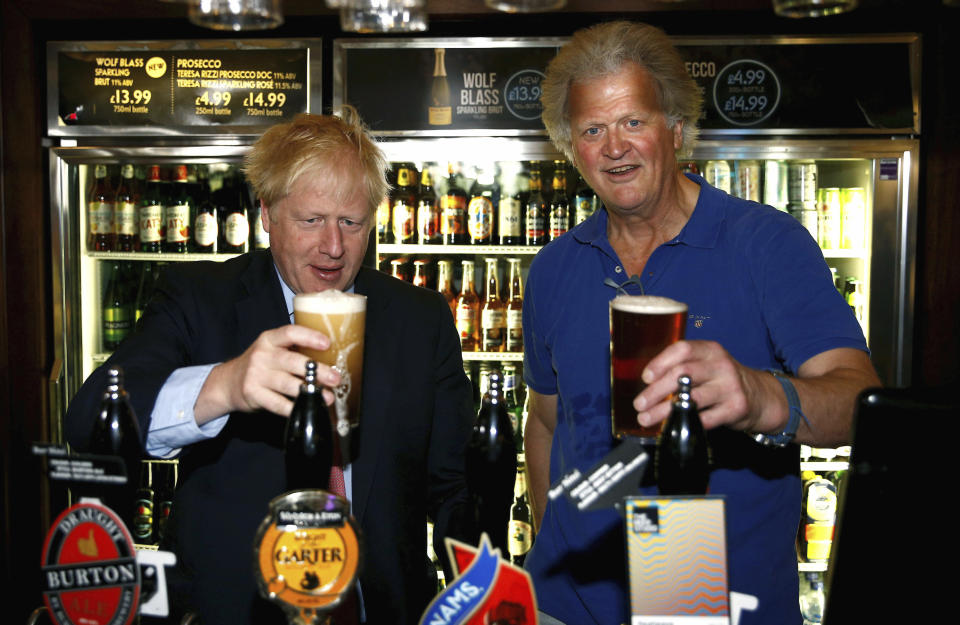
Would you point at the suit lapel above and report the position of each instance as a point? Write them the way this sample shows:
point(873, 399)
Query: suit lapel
point(379, 351)
point(264, 307)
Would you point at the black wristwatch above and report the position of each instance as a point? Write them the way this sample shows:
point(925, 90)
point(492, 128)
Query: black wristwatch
point(789, 433)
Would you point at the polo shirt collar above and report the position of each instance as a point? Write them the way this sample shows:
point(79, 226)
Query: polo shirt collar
point(701, 230)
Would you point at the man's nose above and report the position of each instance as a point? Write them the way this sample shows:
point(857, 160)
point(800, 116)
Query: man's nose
point(331, 239)
point(615, 146)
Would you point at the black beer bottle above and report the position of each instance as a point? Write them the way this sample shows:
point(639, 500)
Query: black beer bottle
point(682, 454)
point(309, 437)
point(165, 484)
point(491, 463)
point(143, 525)
point(117, 433)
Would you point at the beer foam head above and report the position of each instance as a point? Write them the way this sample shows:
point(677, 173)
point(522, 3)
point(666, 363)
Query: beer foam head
point(331, 302)
point(647, 304)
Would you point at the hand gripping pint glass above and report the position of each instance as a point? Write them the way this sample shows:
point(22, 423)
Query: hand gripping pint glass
point(641, 326)
point(342, 317)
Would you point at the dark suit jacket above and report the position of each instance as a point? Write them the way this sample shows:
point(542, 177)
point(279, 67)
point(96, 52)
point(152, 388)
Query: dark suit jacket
point(416, 418)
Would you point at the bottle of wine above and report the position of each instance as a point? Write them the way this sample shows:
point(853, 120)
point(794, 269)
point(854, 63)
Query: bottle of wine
point(309, 437)
point(116, 432)
point(682, 453)
point(491, 463)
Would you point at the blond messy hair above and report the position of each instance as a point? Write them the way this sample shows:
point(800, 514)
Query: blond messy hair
point(602, 50)
point(310, 144)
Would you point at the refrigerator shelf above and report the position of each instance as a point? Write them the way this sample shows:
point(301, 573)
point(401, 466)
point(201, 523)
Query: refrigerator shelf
point(159, 256)
point(860, 253)
point(466, 250)
point(494, 356)
point(805, 567)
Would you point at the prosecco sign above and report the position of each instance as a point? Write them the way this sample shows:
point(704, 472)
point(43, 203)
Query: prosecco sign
point(147, 86)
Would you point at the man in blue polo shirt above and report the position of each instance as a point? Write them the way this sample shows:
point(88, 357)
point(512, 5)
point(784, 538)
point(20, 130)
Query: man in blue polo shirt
point(618, 101)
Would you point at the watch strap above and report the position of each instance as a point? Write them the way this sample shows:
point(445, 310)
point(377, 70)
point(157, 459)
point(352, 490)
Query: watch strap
point(793, 421)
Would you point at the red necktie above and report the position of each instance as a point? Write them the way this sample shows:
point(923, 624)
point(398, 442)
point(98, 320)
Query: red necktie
point(347, 613)
point(336, 485)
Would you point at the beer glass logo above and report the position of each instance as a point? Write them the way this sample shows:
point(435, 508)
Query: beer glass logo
point(308, 551)
point(89, 568)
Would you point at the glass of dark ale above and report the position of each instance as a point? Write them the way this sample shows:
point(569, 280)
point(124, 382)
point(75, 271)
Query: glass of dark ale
point(342, 317)
point(641, 326)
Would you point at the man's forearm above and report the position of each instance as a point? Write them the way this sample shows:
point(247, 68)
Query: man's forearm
point(828, 386)
point(537, 440)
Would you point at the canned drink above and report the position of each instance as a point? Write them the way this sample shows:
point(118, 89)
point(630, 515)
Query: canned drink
point(775, 184)
point(802, 181)
point(829, 205)
point(717, 174)
point(748, 180)
point(807, 215)
point(853, 218)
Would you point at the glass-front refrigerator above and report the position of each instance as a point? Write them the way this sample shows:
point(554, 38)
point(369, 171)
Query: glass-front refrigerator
point(825, 128)
point(147, 139)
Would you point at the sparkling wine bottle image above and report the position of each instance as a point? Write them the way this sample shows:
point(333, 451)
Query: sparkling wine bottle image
point(439, 111)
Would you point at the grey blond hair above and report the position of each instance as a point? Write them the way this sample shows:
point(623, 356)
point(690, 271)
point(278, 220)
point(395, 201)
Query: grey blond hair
point(602, 50)
point(311, 143)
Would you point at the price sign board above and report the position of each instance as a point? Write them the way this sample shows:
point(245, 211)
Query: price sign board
point(806, 85)
point(760, 85)
point(445, 86)
point(199, 87)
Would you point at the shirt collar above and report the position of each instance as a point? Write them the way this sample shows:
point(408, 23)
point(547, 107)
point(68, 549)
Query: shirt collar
point(701, 230)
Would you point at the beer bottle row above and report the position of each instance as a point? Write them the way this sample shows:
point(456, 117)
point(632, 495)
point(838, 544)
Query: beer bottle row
point(154, 501)
point(491, 322)
point(179, 209)
point(508, 203)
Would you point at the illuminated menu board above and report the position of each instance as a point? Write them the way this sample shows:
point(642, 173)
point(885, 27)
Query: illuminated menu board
point(145, 88)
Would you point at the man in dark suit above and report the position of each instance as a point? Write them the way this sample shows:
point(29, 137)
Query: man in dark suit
point(212, 371)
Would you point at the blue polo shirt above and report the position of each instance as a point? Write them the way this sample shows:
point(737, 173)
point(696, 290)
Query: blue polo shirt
point(755, 282)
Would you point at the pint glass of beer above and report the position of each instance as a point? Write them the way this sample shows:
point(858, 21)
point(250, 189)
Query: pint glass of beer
point(341, 316)
point(641, 326)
